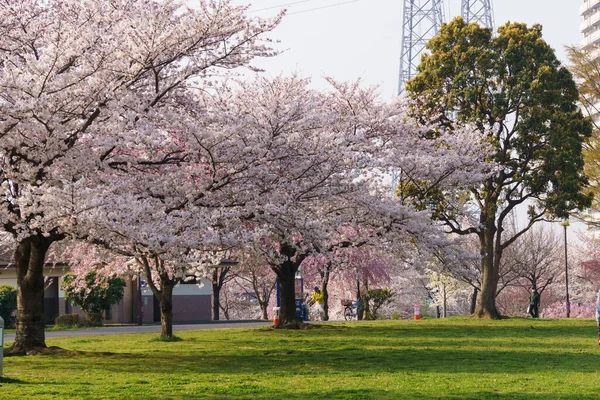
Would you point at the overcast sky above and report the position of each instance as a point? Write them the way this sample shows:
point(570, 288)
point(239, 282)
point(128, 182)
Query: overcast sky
point(361, 38)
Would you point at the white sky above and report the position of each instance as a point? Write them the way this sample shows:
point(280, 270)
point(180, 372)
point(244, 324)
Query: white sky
point(362, 37)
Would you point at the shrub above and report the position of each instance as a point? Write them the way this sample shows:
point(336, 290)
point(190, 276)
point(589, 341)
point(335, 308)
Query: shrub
point(93, 292)
point(8, 304)
point(68, 319)
point(93, 319)
point(375, 298)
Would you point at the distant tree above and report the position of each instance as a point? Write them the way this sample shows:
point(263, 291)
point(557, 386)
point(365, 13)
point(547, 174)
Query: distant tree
point(219, 277)
point(537, 259)
point(585, 66)
point(375, 298)
point(256, 279)
point(8, 304)
point(514, 89)
point(94, 293)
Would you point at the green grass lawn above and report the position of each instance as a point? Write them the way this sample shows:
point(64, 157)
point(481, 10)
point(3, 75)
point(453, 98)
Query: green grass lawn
point(456, 358)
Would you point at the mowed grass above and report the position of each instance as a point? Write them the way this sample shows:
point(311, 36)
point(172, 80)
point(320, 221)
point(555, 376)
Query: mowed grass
point(456, 358)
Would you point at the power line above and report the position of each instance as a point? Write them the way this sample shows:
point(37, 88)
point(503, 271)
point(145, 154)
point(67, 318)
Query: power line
point(304, 11)
point(320, 8)
point(280, 6)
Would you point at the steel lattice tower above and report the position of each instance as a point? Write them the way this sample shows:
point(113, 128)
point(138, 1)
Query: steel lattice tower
point(479, 11)
point(422, 21)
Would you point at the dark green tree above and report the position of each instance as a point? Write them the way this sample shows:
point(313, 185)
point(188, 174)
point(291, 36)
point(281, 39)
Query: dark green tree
point(8, 304)
point(514, 90)
point(95, 294)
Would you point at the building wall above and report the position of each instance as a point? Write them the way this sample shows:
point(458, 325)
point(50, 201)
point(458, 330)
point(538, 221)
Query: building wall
point(191, 303)
point(590, 26)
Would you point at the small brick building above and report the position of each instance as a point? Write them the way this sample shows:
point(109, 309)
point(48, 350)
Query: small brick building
point(191, 302)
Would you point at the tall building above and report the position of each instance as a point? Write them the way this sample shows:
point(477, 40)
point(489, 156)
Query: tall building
point(590, 27)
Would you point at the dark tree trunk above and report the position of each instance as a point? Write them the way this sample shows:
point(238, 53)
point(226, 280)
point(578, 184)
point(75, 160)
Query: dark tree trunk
point(30, 256)
point(325, 282)
point(216, 300)
point(221, 276)
point(166, 309)
point(490, 264)
point(473, 301)
point(286, 274)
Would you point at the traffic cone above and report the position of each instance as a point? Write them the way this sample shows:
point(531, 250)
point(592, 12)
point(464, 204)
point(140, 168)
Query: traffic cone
point(417, 313)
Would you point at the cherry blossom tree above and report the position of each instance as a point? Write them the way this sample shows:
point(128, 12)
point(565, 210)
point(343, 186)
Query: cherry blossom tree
point(327, 170)
point(347, 269)
point(256, 279)
point(80, 81)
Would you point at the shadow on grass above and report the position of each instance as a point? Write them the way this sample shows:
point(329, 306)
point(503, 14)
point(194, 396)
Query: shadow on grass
point(4, 379)
point(355, 362)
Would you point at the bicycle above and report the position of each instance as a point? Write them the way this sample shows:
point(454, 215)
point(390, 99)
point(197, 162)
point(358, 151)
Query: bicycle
point(349, 309)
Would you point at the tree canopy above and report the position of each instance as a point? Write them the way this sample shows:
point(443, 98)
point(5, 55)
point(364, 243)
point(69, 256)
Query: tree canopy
point(514, 89)
point(585, 66)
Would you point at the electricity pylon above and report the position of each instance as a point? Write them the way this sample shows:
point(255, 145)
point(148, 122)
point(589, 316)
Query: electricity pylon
point(421, 21)
point(479, 11)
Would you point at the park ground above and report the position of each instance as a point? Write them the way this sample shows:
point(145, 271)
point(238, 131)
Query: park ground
point(454, 358)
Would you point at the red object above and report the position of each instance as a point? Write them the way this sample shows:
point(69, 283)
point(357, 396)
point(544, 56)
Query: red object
point(417, 313)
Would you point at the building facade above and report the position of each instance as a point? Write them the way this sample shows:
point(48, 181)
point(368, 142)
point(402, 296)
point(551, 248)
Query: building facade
point(590, 27)
point(191, 302)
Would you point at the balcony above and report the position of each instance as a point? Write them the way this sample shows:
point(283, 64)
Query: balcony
point(590, 21)
point(592, 38)
point(587, 5)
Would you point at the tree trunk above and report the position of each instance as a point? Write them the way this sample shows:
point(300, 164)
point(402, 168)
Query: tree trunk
point(365, 301)
point(359, 310)
point(286, 273)
point(30, 256)
point(326, 294)
point(216, 299)
point(264, 306)
point(166, 309)
point(473, 301)
point(490, 262)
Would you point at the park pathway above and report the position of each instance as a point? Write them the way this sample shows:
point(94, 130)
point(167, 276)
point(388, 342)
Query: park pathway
point(125, 329)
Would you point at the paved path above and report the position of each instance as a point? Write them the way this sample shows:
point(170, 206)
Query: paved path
point(116, 330)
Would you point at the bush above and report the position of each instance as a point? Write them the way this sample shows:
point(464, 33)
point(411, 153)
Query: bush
point(8, 304)
point(93, 293)
point(375, 298)
point(68, 319)
point(93, 319)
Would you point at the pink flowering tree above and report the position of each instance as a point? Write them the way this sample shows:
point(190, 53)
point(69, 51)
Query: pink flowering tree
point(256, 279)
point(328, 169)
point(79, 81)
point(348, 268)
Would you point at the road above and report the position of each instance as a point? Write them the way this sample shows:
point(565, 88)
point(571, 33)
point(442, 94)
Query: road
point(116, 330)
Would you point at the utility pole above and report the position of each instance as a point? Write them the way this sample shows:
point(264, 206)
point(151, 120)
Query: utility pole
point(565, 224)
